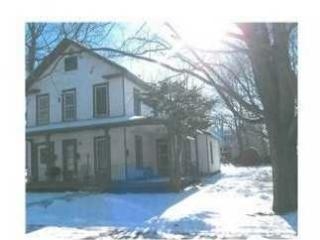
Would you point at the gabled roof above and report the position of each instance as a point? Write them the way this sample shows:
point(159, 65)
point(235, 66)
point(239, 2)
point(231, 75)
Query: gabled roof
point(61, 47)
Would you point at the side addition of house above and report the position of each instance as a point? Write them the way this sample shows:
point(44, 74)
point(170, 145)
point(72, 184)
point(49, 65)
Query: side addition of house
point(86, 124)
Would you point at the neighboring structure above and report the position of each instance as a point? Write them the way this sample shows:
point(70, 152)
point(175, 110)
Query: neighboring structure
point(86, 124)
point(251, 137)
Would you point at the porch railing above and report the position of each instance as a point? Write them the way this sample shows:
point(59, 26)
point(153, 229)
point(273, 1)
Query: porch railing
point(119, 172)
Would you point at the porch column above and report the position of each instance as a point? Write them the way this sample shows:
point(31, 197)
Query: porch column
point(108, 153)
point(125, 153)
point(207, 149)
point(49, 155)
point(34, 161)
point(197, 157)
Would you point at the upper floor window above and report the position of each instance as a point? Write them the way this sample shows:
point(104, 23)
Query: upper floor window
point(101, 100)
point(70, 63)
point(136, 103)
point(42, 109)
point(69, 105)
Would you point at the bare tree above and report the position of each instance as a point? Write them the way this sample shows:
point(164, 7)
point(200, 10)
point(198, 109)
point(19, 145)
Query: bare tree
point(256, 76)
point(270, 97)
point(42, 38)
point(276, 81)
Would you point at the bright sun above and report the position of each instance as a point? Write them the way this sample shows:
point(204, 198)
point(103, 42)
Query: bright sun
point(207, 35)
point(202, 34)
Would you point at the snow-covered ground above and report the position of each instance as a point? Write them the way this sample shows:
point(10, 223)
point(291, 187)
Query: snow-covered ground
point(235, 204)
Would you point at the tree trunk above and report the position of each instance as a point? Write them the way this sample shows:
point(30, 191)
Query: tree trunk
point(285, 180)
point(276, 85)
point(285, 169)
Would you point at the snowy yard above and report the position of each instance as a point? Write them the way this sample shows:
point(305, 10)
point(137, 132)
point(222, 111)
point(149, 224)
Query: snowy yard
point(235, 204)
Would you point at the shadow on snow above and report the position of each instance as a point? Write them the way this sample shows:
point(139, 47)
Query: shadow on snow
point(83, 209)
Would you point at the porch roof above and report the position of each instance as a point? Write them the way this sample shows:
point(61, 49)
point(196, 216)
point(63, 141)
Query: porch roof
point(92, 124)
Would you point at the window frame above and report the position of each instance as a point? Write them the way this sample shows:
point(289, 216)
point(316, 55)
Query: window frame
point(107, 113)
point(38, 122)
point(63, 107)
point(73, 68)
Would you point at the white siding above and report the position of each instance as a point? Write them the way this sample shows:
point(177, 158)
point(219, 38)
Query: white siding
point(117, 154)
point(129, 88)
point(90, 71)
point(116, 97)
point(205, 164)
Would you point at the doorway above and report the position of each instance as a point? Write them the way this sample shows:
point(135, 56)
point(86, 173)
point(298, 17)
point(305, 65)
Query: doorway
point(101, 158)
point(69, 148)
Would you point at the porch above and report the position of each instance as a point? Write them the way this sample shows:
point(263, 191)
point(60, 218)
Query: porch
point(121, 159)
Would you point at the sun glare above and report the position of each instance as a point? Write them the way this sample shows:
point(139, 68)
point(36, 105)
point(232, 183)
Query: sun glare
point(203, 34)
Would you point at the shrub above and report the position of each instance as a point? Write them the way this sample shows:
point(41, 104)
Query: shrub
point(53, 172)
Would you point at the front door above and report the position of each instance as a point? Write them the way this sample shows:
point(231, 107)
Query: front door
point(69, 159)
point(101, 158)
point(163, 157)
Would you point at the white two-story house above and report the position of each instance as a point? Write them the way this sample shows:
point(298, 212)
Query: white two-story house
point(86, 124)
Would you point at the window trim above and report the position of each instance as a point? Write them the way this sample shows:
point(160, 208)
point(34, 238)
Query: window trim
point(37, 108)
point(63, 106)
point(107, 114)
point(68, 58)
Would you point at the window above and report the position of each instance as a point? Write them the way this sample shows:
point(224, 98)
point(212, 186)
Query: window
point(211, 152)
point(139, 151)
point(42, 109)
point(101, 100)
point(69, 105)
point(70, 63)
point(43, 154)
point(136, 103)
